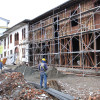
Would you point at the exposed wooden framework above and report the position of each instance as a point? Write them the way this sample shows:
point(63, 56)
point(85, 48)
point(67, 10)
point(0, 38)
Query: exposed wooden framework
point(69, 38)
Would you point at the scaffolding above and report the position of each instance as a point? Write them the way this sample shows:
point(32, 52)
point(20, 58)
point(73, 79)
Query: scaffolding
point(69, 38)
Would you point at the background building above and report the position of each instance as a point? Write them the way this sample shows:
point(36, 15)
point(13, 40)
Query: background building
point(3, 27)
point(13, 39)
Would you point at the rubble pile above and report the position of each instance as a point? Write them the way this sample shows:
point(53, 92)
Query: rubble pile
point(52, 72)
point(14, 87)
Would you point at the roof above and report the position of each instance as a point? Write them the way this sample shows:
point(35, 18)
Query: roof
point(55, 10)
point(20, 24)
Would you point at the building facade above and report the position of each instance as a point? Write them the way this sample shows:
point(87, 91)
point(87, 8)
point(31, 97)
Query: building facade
point(68, 35)
point(14, 43)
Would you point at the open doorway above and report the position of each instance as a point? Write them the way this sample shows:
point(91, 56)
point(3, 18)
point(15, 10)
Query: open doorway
point(30, 53)
point(98, 43)
point(75, 43)
point(16, 55)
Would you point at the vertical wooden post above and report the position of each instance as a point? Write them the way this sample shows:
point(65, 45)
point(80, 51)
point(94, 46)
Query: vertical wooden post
point(95, 57)
point(85, 48)
point(87, 45)
point(60, 53)
point(50, 52)
point(65, 55)
point(80, 48)
point(70, 51)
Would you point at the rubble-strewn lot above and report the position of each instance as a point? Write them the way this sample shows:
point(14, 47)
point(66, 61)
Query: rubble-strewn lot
point(80, 87)
point(14, 87)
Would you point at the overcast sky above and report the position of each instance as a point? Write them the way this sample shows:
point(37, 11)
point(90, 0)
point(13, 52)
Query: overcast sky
point(18, 10)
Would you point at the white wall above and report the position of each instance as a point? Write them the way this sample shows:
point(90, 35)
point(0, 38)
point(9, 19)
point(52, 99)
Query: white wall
point(12, 45)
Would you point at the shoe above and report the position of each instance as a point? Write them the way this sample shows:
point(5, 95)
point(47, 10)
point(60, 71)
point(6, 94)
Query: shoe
point(46, 88)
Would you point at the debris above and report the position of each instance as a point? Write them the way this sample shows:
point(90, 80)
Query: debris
point(13, 85)
point(52, 72)
point(54, 84)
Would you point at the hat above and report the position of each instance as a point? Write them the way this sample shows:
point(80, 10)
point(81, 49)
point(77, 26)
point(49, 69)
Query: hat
point(43, 59)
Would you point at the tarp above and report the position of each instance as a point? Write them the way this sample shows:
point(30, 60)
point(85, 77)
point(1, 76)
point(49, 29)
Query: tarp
point(10, 60)
point(4, 60)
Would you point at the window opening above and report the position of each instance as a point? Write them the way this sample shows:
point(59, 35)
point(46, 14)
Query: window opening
point(74, 22)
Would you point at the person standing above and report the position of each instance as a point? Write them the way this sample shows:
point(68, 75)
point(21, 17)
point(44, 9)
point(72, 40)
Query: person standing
point(43, 76)
point(1, 65)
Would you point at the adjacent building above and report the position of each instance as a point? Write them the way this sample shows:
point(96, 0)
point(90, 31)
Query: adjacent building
point(14, 43)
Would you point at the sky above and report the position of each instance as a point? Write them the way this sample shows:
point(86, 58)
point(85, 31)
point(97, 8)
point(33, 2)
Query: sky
point(18, 10)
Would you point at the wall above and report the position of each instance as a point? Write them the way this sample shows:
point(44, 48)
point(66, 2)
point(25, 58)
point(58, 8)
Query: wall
point(12, 45)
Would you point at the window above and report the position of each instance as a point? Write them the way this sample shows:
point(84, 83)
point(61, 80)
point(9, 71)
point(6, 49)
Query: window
point(10, 38)
point(10, 51)
point(16, 36)
point(74, 22)
point(23, 33)
point(5, 43)
point(8, 42)
point(56, 26)
point(23, 52)
point(4, 54)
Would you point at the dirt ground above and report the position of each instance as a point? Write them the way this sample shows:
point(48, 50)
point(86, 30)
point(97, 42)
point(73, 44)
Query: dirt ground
point(78, 86)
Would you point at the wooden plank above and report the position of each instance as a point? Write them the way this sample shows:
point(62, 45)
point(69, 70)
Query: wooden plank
point(53, 92)
point(70, 46)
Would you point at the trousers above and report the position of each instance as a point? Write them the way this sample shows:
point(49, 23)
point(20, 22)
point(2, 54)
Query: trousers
point(43, 76)
point(0, 70)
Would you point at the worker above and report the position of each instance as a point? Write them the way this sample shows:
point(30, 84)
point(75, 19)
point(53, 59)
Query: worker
point(1, 65)
point(43, 76)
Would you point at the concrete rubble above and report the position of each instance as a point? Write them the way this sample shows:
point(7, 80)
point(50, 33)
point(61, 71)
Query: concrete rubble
point(14, 87)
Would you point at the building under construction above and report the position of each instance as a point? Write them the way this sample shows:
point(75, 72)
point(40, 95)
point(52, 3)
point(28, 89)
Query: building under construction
point(68, 35)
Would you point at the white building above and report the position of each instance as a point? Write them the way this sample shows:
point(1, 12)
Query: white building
point(14, 43)
point(3, 25)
